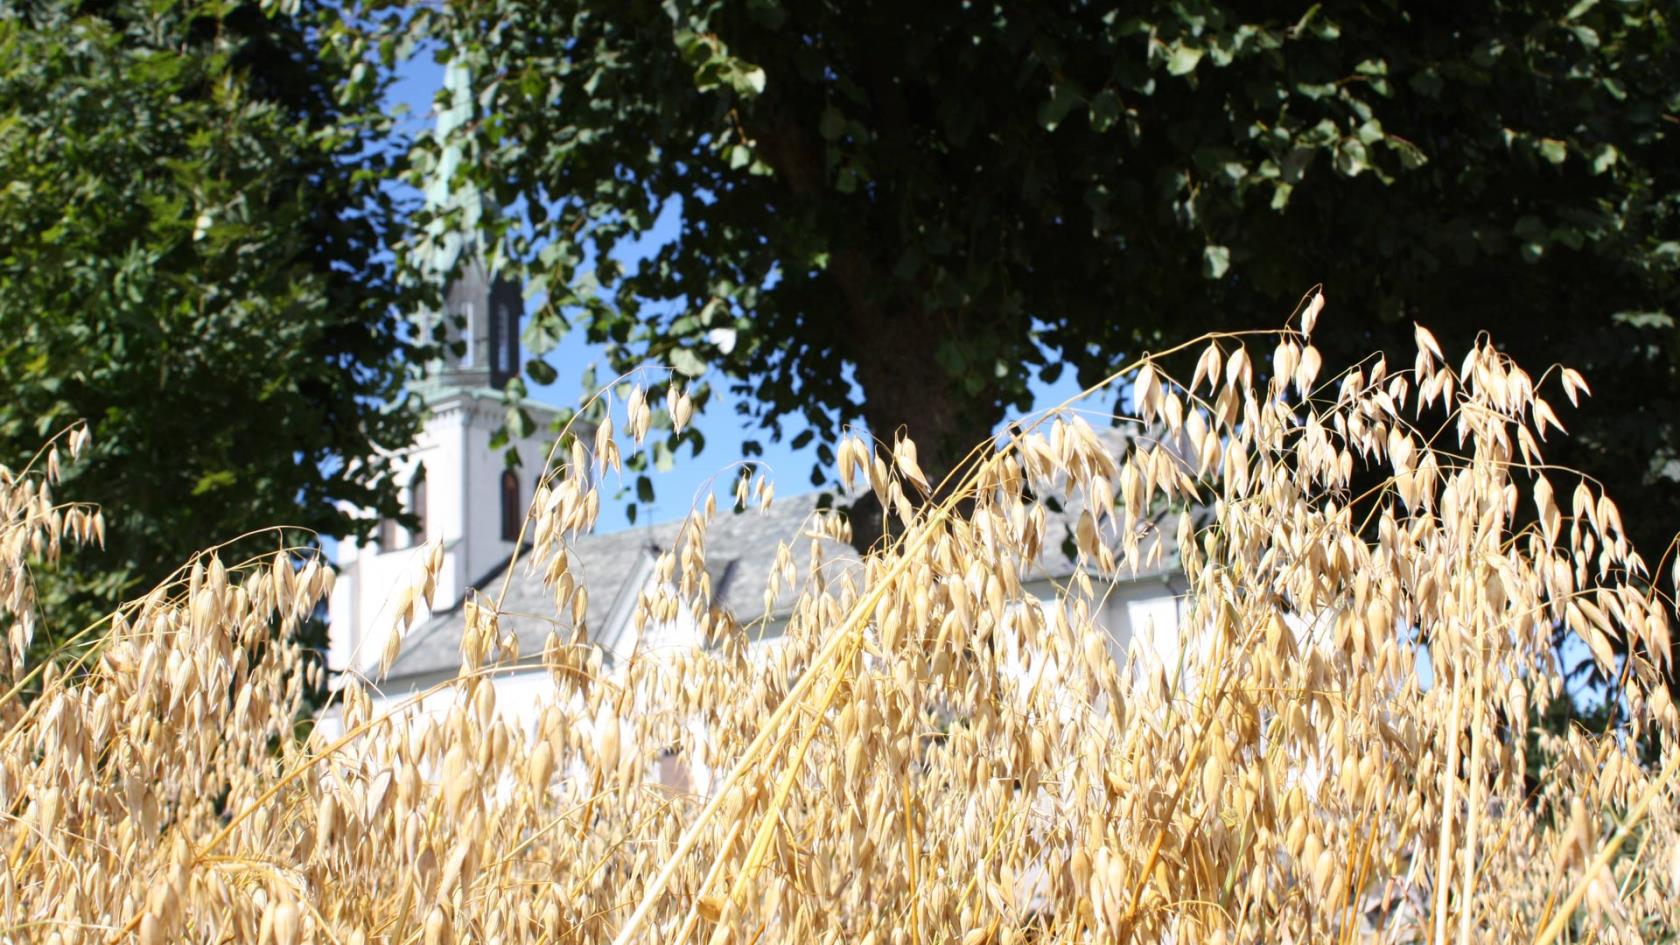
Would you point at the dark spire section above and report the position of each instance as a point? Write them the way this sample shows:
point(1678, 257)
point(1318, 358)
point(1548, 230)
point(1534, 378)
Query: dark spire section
point(481, 330)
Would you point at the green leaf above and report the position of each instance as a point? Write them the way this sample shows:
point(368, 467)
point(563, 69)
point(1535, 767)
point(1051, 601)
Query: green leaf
point(541, 371)
point(1216, 260)
point(518, 422)
point(1063, 96)
point(1661, 320)
point(1529, 227)
point(1104, 110)
point(1306, 19)
point(1182, 59)
point(1553, 150)
point(1411, 156)
point(211, 481)
point(1428, 83)
point(1604, 158)
point(949, 356)
point(1586, 36)
point(832, 124)
point(1351, 157)
point(685, 361)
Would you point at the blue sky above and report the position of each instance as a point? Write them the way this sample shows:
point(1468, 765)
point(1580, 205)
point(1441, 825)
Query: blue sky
point(724, 429)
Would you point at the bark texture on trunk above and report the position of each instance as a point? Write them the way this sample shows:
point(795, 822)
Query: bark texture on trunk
point(889, 336)
point(907, 392)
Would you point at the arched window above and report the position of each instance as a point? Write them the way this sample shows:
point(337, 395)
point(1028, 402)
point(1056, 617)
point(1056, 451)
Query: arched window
point(417, 506)
point(506, 302)
point(512, 509)
point(510, 341)
point(387, 537)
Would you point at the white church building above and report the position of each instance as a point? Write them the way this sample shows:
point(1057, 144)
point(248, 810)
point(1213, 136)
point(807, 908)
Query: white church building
point(464, 496)
point(458, 485)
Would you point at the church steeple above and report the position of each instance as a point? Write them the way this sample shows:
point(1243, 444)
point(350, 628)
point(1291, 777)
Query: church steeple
point(460, 489)
point(480, 321)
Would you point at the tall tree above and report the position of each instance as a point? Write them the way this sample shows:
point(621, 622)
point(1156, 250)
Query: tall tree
point(908, 213)
point(192, 259)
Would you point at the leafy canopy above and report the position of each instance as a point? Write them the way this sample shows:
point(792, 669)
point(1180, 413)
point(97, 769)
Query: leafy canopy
point(906, 214)
point(191, 231)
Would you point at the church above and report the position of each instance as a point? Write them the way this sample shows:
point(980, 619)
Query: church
point(470, 503)
point(459, 487)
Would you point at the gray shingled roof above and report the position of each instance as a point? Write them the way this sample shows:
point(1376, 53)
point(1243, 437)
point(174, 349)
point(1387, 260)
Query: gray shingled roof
point(740, 556)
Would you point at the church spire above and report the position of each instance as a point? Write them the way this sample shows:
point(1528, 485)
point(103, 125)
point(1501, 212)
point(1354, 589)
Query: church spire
point(482, 310)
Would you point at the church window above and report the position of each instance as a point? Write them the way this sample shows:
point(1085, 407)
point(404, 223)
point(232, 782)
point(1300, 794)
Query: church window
point(505, 303)
point(417, 506)
point(387, 537)
point(511, 508)
point(510, 340)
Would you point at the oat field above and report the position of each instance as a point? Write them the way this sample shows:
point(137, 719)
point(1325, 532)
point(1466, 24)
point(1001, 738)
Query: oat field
point(1339, 757)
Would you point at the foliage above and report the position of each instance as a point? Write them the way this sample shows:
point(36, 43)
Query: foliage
point(1284, 771)
point(191, 239)
point(910, 214)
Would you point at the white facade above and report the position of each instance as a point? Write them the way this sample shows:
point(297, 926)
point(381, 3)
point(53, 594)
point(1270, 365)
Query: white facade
point(463, 509)
point(460, 486)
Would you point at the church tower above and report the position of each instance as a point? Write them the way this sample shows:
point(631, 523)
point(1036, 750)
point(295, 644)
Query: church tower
point(456, 483)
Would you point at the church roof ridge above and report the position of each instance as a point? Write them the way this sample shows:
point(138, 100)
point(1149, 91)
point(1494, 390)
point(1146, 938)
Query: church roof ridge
point(740, 557)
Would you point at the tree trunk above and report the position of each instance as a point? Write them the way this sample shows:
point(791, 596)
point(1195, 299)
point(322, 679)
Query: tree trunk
point(893, 341)
point(907, 392)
